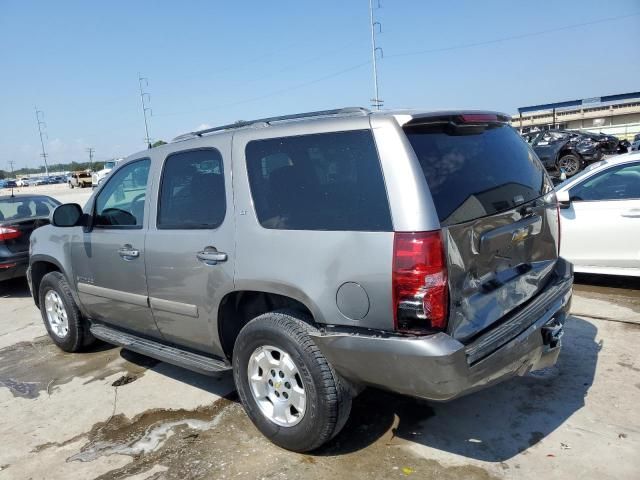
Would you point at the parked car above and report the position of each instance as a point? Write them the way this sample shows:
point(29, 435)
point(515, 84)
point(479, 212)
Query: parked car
point(23, 182)
point(608, 144)
point(561, 150)
point(19, 216)
point(635, 146)
point(350, 249)
point(79, 179)
point(98, 177)
point(10, 183)
point(600, 216)
point(40, 181)
point(623, 147)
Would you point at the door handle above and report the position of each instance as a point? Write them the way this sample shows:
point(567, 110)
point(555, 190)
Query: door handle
point(211, 256)
point(633, 213)
point(128, 252)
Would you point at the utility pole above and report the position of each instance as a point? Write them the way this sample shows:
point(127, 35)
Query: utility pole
point(91, 150)
point(376, 101)
point(145, 100)
point(11, 162)
point(41, 125)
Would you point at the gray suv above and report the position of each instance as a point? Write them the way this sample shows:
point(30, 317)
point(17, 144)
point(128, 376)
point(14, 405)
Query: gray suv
point(316, 254)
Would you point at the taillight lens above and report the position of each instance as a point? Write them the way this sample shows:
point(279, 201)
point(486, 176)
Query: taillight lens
point(9, 233)
point(420, 292)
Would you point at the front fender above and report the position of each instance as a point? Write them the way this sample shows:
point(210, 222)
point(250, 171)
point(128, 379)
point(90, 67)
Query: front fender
point(52, 245)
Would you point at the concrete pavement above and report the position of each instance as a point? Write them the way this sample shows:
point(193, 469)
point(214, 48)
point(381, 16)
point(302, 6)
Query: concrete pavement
point(114, 414)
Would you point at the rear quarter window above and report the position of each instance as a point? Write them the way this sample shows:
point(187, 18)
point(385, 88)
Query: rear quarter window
point(328, 181)
point(476, 173)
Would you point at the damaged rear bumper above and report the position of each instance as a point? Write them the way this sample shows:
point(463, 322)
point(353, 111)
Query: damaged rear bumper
point(438, 367)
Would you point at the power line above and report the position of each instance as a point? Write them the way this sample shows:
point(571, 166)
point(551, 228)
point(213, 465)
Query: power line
point(509, 38)
point(271, 94)
point(41, 125)
point(145, 107)
point(376, 102)
point(90, 150)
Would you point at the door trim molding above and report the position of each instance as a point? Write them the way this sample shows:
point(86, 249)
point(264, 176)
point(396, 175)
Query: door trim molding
point(174, 307)
point(118, 295)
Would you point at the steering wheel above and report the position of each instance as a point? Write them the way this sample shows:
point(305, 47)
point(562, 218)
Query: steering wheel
point(116, 216)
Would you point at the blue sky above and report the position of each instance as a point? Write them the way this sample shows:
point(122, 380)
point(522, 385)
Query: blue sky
point(213, 62)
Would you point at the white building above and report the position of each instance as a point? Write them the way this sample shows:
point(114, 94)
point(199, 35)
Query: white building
point(617, 115)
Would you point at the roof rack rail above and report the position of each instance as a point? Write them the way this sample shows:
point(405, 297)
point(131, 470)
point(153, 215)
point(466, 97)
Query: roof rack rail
point(269, 120)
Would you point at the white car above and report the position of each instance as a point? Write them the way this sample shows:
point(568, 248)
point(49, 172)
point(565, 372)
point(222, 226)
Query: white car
point(600, 217)
point(98, 177)
point(23, 182)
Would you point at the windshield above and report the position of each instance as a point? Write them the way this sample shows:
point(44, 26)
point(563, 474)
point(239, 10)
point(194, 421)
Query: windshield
point(476, 173)
point(109, 165)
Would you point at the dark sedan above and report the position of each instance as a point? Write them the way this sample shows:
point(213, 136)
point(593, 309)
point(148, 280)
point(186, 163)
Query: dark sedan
point(19, 216)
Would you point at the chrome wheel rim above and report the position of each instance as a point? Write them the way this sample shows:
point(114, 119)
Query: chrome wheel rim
point(276, 386)
point(570, 165)
point(56, 314)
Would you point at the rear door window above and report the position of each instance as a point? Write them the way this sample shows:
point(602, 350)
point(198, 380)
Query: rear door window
point(473, 174)
point(328, 181)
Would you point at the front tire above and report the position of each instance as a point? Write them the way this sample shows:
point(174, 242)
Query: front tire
point(571, 164)
point(287, 387)
point(61, 316)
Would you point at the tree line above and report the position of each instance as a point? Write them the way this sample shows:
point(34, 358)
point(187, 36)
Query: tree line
point(56, 167)
point(62, 167)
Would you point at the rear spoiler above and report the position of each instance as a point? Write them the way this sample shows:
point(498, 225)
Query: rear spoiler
point(459, 118)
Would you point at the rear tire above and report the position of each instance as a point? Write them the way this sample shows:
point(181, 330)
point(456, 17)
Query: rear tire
point(61, 316)
point(281, 343)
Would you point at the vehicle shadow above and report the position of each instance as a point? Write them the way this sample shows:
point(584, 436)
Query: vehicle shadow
point(221, 384)
point(15, 288)
point(491, 425)
point(609, 281)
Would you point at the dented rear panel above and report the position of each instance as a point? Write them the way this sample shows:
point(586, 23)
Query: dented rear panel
point(497, 213)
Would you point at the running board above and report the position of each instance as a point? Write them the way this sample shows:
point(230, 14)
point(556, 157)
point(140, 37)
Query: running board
point(160, 351)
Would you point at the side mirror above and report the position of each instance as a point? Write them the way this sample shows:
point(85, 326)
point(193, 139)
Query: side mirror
point(67, 215)
point(564, 201)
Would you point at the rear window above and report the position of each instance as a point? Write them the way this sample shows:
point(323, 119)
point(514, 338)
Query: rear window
point(328, 181)
point(476, 172)
point(22, 208)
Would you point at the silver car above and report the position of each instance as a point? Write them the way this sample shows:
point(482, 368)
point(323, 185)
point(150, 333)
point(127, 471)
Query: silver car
point(316, 254)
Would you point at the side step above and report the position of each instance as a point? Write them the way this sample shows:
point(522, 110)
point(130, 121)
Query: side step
point(160, 351)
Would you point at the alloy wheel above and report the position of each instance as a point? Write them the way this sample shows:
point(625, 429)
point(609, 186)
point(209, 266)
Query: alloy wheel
point(276, 386)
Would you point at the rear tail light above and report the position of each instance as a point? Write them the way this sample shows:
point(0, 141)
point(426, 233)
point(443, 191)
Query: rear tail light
point(420, 292)
point(9, 233)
